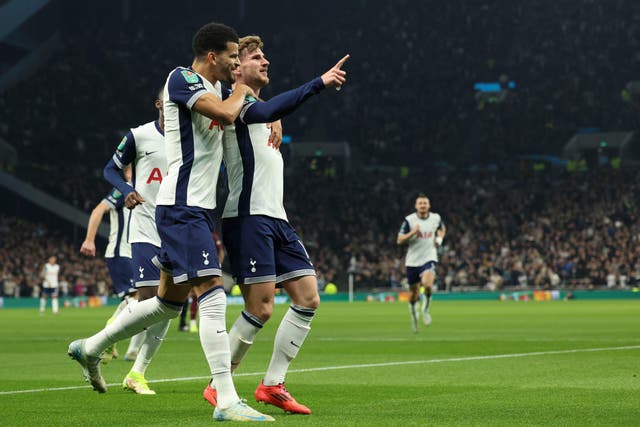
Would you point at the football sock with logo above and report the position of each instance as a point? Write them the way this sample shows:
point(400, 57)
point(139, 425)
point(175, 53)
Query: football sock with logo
point(215, 344)
point(292, 332)
point(154, 336)
point(131, 321)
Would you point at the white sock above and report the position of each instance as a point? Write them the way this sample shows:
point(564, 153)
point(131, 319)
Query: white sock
point(241, 336)
point(119, 308)
point(215, 344)
point(54, 305)
point(426, 303)
point(293, 330)
point(43, 304)
point(136, 342)
point(154, 336)
point(131, 321)
point(414, 315)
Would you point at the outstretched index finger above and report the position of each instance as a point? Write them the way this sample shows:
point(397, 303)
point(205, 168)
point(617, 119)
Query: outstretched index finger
point(342, 61)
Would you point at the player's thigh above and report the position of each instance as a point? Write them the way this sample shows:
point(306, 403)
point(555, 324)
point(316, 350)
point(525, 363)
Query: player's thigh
point(204, 285)
point(428, 274)
point(169, 291)
point(303, 291)
point(427, 278)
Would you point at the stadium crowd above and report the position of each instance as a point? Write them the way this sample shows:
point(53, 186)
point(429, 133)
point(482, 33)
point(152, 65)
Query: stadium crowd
point(25, 248)
point(519, 230)
point(569, 62)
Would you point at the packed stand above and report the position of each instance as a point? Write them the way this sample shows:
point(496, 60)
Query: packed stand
point(25, 247)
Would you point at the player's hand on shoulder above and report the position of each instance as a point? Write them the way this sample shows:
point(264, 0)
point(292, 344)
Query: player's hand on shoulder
point(246, 90)
point(336, 76)
point(133, 199)
point(275, 138)
point(88, 248)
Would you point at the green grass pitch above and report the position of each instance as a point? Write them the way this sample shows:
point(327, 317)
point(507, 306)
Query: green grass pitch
point(480, 363)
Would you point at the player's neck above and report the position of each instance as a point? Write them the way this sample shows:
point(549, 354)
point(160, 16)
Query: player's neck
point(204, 71)
point(423, 216)
point(254, 88)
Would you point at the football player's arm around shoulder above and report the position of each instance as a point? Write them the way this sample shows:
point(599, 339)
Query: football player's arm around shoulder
point(186, 88)
point(225, 111)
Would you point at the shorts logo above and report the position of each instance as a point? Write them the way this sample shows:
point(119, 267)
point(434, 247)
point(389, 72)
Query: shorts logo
point(205, 255)
point(141, 272)
point(253, 264)
point(190, 76)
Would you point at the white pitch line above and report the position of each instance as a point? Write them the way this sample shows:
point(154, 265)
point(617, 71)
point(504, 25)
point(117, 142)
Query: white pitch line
point(366, 365)
point(431, 339)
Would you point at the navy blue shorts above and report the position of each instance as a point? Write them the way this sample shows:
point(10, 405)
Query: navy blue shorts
point(121, 272)
point(50, 292)
point(263, 249)
point(414, 273)
point(188, 250)
point(145, 272)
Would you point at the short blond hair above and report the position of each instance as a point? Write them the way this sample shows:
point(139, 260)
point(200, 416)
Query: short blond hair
point(249, 43)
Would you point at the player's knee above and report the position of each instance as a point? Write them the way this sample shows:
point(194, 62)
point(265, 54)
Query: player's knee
point(308, 301)
point(262, 312)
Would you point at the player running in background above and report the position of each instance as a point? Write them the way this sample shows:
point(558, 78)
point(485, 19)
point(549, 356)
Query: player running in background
point(263, 249)
point(49, 273)
point(142, 148)
point(423, 231)
point(194, 117)
point(118, 257)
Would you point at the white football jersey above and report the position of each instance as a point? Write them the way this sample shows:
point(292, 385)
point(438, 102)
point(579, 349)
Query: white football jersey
point(193, 143)
point(255, 171)
point(51, 275)
point(143, 146)
point(119, 225)
point(422, 246)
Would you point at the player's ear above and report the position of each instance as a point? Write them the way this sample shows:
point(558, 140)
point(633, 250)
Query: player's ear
point(211, 57)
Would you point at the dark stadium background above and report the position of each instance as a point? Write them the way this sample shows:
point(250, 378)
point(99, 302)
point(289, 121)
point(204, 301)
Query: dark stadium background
point(524, 208)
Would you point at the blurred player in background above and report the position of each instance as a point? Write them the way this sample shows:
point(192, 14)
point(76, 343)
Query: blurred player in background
point(263, 248)
point(423, 231)
point(195, 115)
point(143, 148)
point(118, 257)
point(49, 273)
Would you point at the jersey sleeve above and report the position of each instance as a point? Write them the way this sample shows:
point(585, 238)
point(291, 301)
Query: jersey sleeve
point(185, 87)
point(280, 105)
point(114, 199)
point(404, 228)
point(126, 151)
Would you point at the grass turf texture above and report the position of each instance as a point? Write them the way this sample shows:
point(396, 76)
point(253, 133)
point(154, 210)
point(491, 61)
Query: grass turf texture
point(360, 366)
